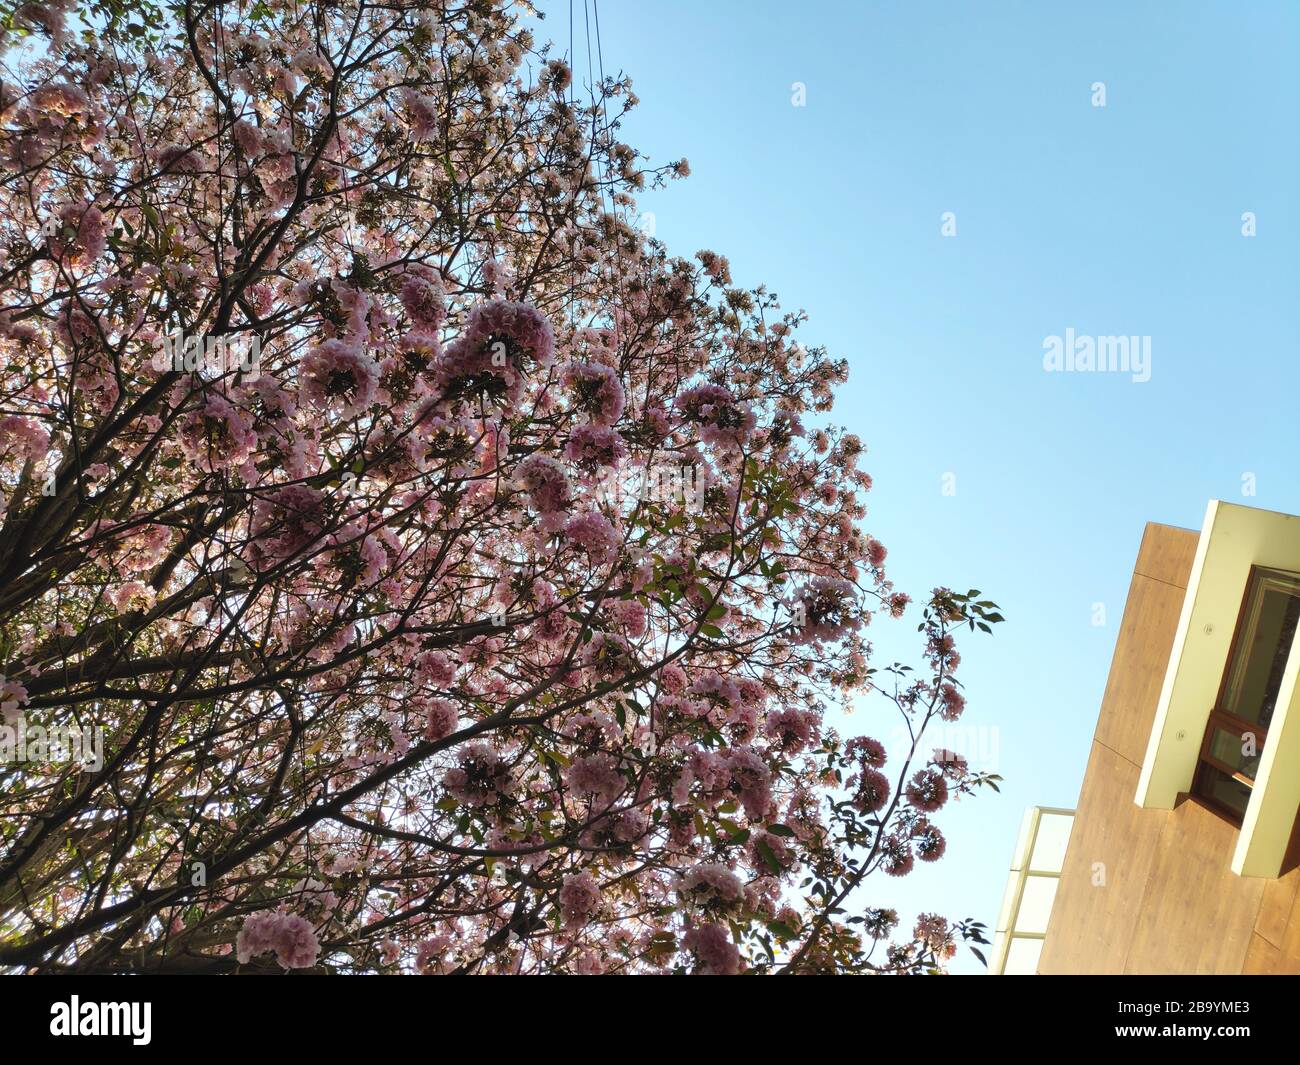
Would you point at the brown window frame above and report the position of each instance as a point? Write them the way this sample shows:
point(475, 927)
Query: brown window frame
point(1220, 718)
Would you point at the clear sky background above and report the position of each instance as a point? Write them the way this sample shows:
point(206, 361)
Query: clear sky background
point(1122, 220)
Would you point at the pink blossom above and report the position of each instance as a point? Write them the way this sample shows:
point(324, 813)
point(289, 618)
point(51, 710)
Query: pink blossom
point(631, 615)
point(672, 679)
point(928, 841)
point(593, 533)
point(896, 857)
point(933, 931)
point(248, 137)
point(594, 446)
point(791, 729)
point(290, 936)
point(435, 668)
point(24, 437)
point(422, 113)
point(713, 949)
point(82, 236)
point(338, 374)
point(579, 899)
point(13, 696)
point(422, 300)
point(481, 778)
point(712, 885)
point(825, 611)
point(596, 776)
point(872, 791)
point(442, 719)
point(546, 483)
point(597, 391)
point(500, 337)
point(927, 790)
point(721, 418)
point(218, 435)
point(751, 777)
point(285, 523)
point(952, 702)
point(870, 751)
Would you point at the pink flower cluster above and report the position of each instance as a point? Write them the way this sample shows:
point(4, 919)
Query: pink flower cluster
point(597, 390)
point(722, 419)
point(23, 437)
point(791, 729)
point(249, 138)
point(422, 114)
point(441, 719)
point(286, 522)
point(579, 899)
point(717, 955)
point(928, 841)
point(631, 615)
point(712, 885)
point(951, 702)
point(594, 446)
point(596, 776)
point(871, 790)
point(481, 779)
point(523, 327)
point(867, 750)
point(290, 936)
point(435, 668)
point(218, 435)
point(13, 696)
point(933, 931)
point(593, 533)
point(82, 235)
point(338, 374)
point(422, 299)
point(927, 790)
point(733, 771)
point(546, 483)
point(825, 611)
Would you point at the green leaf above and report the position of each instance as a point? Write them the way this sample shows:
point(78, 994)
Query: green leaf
point(768, 856)
point(781, 930)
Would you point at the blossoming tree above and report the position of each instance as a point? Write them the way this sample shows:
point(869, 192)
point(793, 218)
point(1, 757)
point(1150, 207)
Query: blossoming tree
point(482, 613)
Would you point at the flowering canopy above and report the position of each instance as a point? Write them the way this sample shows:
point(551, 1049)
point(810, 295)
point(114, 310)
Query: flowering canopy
point(483, 613)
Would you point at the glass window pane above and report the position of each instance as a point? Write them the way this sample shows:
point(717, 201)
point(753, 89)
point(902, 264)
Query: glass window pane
point(1217, 785)
point(1240, 752)
point(1268, 629)
point(1022, 957)
point(1049, 848)
point(1036, 904)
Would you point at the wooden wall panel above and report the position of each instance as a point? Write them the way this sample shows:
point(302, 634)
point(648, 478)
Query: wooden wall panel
point(1137, 669)
point(1167, 553)
point(1092, 925)
point(1197, 915)
point(1093, 928)
point(1264, 959)
point(1278, 923)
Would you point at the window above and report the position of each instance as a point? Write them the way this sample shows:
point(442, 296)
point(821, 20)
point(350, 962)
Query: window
point(1238, 725)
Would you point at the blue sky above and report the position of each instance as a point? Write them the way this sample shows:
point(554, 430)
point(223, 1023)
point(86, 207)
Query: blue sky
point(1116, 220)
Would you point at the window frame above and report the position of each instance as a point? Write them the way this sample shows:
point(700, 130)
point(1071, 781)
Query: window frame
point(1219, 717)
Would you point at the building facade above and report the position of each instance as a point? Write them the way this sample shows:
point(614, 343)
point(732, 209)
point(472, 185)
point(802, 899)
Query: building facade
point(1184, 855)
